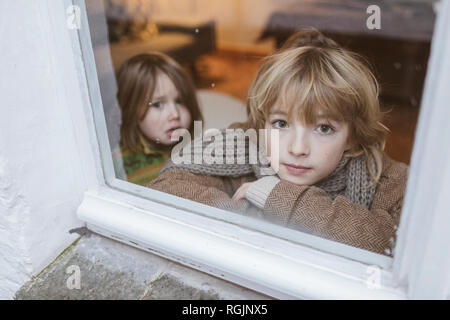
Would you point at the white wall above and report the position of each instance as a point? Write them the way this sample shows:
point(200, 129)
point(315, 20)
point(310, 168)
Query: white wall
point(41, 174)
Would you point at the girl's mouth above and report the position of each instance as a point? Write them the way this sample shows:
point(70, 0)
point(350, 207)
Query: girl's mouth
point(296, 170)
point(171, 131)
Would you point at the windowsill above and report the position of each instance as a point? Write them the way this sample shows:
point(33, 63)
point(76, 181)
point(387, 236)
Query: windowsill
point(156, 201)
point(252, 259)
point(110, 270)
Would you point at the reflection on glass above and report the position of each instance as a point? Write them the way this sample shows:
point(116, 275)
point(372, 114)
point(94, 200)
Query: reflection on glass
point(156, 99)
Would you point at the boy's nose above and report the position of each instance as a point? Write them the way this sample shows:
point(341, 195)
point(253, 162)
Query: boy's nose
point(298, 144)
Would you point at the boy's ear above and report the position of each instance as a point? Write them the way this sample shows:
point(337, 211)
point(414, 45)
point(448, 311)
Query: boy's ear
point(350, 144)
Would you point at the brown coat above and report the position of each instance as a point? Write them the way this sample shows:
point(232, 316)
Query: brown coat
point(306, 208)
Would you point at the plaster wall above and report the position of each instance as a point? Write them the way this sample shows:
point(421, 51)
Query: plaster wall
point(41, 174)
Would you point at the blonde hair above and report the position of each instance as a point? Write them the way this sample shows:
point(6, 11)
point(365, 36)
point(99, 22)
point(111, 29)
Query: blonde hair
point(316, 73)
point(137, 81)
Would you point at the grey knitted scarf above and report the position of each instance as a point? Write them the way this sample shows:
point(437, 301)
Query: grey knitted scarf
point(351, 177)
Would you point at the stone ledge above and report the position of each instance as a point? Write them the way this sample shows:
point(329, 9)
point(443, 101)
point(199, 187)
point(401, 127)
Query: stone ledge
point(110, 270)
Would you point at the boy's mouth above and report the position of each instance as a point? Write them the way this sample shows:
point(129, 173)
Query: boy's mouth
point(295, 169)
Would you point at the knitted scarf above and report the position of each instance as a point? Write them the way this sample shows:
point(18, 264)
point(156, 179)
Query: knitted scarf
point(351, 177)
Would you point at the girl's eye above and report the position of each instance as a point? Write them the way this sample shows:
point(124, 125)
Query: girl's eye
point(178, 101)
point(325, 129)
point(280, 124)
point(156, 104)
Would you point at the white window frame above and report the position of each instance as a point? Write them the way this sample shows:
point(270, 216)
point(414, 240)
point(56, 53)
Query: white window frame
point(216, 242)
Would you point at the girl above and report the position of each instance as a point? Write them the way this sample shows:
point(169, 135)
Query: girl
point(333, 179)
point(156, 97)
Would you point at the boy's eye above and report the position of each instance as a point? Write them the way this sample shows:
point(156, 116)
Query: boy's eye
point(156, 104)
point(280, 124)
point(325, 129)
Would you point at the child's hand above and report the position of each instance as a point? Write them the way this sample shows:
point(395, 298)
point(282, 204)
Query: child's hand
point(240, 193)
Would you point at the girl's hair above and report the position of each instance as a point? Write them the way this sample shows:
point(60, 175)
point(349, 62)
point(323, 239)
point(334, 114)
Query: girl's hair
point(310, 73)
point(137, 81)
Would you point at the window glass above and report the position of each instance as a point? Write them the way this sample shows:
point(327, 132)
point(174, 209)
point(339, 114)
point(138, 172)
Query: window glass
point(323, 95)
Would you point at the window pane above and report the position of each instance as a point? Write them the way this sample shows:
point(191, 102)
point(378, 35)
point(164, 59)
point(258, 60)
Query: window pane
point(339, 100)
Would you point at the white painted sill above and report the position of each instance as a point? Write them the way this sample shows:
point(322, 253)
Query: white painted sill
point(264, 263)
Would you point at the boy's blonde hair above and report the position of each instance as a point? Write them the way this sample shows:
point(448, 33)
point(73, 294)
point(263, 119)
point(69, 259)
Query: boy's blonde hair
point(137, 81)
point(313, 73)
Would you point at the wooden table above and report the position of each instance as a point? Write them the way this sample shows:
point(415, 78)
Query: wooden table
point(183, 42)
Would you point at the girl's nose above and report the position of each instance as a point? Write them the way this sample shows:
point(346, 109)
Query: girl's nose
point(173, 112)
point(298, 143)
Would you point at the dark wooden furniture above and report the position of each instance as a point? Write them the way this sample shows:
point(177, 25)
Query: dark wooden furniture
point(398, 52)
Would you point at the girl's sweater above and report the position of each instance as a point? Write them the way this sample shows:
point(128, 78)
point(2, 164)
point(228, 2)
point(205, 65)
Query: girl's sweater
point(144, 164)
